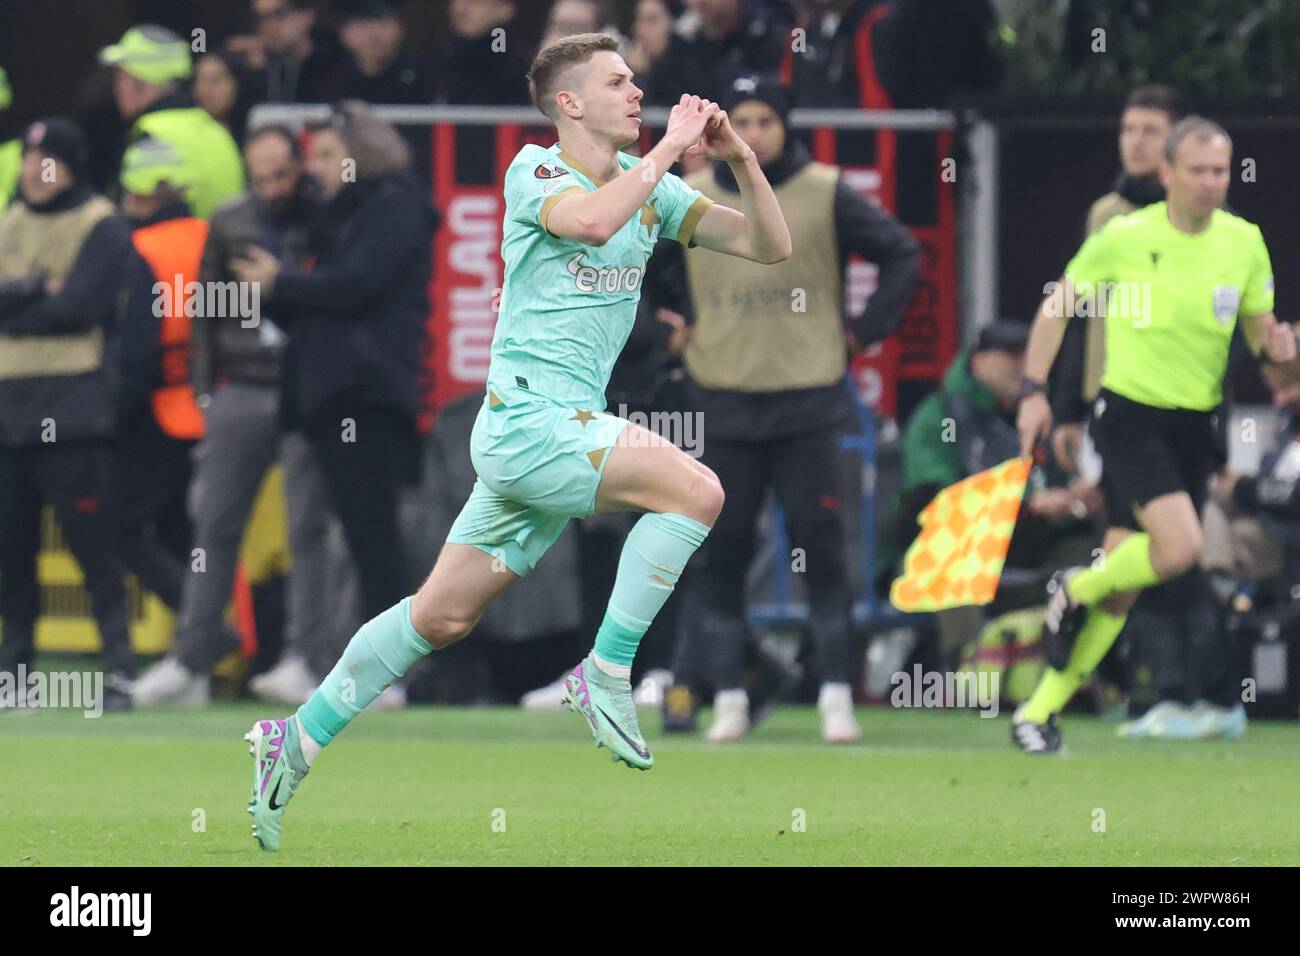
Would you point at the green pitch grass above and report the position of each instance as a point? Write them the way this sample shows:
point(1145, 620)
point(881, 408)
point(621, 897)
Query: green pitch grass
point(501, 787)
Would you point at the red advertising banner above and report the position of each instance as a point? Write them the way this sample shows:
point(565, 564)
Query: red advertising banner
point(926, 340)
point(467, 274)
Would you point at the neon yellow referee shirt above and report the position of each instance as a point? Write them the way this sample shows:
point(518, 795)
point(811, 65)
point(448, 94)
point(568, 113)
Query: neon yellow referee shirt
point(1171, 301)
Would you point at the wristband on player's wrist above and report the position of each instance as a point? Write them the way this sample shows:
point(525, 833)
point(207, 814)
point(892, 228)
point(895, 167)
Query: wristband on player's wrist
point(1029, 386)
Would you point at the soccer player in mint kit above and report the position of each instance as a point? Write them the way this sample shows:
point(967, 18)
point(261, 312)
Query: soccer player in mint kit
point(581, 220)
point(1174, 277)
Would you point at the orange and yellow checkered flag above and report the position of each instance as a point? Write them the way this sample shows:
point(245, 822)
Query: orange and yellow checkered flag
point(957, 558)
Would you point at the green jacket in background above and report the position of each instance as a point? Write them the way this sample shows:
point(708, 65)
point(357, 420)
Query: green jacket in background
point(932, 452)
point(11, 164)
point(209, 153)
point(927, 458)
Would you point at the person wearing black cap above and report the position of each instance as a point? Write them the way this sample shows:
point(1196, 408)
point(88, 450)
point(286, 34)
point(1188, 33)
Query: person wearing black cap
point(63, 251)
point(766, 365)
point(967, 426)
point(375, 69)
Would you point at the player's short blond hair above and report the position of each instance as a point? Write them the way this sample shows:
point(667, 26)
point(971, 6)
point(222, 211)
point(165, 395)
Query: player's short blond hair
point(558, 57)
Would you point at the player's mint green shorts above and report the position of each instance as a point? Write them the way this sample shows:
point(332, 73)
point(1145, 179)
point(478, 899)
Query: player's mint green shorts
point(539, 464)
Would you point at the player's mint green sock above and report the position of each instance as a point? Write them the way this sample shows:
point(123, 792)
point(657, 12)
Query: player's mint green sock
point(1127, 568)
point(654, 555)
point(1056, 688)
point(382, 651)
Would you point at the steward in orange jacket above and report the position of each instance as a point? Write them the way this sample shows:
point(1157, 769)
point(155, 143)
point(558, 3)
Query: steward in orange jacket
point(158, 436)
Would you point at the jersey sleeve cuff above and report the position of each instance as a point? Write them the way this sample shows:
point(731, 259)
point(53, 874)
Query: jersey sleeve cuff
point(686, 231)
point(551, 200)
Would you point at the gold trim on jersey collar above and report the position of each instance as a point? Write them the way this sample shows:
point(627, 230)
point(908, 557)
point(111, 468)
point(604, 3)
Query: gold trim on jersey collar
point(568, 160)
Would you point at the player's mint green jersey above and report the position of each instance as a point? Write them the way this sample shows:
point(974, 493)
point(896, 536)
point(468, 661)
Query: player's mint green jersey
point(567, 308)
point(1172, 301)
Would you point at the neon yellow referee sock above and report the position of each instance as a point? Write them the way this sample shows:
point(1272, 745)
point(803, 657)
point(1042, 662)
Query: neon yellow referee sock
point(1127, 568)
point(1056, 688)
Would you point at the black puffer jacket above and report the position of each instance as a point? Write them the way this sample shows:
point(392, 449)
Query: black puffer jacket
point(356, 320)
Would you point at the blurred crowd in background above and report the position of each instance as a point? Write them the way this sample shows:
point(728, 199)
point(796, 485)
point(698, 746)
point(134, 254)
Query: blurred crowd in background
point(168, 419)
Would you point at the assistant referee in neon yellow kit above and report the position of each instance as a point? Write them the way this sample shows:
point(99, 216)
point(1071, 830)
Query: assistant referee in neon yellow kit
point(1172, 279)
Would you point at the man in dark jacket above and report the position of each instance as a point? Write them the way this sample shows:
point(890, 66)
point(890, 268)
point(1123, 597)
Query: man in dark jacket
point(63, 252)
point(766, 366)
point(356, 322)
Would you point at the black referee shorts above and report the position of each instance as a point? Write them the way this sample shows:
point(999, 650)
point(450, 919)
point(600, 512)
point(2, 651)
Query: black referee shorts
point(1147, 452)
